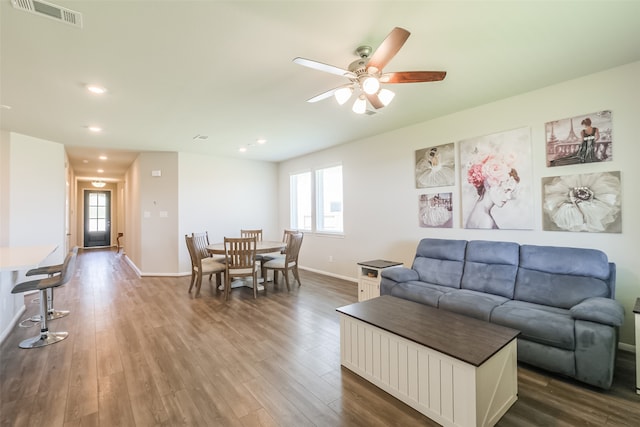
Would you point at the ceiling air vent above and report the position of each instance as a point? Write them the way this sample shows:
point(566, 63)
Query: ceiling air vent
point(49, 10)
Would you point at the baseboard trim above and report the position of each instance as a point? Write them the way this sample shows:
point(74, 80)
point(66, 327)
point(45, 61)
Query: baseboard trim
point(12, 324)
point(627, 347)
point(326, 273)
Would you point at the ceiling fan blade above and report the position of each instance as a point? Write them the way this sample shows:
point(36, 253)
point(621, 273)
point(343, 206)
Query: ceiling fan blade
point(387, 49)
point(327, 94)
point(413, 76)
point(323, 67)
point(374, 101)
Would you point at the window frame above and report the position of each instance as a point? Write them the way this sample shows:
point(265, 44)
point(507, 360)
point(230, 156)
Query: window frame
point(317, 209)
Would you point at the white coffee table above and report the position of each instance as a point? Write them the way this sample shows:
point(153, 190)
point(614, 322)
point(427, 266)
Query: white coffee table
point(454, 369)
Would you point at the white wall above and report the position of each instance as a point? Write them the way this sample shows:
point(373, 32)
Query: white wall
point(158, 213)
point(223, 195)
point(381, 201)
point(33, 207)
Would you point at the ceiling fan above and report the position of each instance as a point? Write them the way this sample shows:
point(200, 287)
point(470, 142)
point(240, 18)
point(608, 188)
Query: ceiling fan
point(366, 74)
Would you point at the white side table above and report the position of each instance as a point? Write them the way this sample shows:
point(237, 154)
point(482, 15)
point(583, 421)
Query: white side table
point(369, 277)
point(636, 313)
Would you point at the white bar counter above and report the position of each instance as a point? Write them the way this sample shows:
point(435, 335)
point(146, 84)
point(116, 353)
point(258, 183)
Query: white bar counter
point(12, 261)
point(23, 257)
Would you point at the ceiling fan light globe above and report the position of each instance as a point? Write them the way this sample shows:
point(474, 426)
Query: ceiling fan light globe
point(360, 106)
point(370, 85)
point(343, 94)
point(386, 96)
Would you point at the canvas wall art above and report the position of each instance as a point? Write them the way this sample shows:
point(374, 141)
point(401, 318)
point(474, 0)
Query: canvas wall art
point(580, 139)
point(435, 166)
point(436, 210)
point(496, 181)
point(586, 202)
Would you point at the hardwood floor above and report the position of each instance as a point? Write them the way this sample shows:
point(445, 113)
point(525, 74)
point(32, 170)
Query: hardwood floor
point(142, 351)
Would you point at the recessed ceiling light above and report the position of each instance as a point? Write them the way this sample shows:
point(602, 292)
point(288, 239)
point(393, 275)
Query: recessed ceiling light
point(98, 90)
point(261, 141)
point(103, 157)
point(5, 107)
point(85, 161)
point(100, 170)
point(95, 129)
point(242, 149)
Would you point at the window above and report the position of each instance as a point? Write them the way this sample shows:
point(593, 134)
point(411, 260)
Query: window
point(300, 188)
point(329, 200)
point(316, 200)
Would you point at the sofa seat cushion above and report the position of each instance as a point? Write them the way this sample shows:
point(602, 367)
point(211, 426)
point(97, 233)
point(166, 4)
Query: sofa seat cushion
point(538, 323)
point(424, 293)
point(471, 303)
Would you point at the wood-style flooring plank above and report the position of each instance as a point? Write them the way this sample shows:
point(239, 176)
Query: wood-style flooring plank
point(145, 352)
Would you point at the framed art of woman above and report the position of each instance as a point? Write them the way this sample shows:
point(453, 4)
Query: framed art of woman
point(495, 181)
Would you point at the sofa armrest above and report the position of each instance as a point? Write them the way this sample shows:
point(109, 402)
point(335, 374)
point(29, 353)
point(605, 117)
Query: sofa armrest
point(400, 274)
point(600, 310)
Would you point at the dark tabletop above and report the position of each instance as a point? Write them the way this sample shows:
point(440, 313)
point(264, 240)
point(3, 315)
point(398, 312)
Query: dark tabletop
point(379, 263)
point(467, 339)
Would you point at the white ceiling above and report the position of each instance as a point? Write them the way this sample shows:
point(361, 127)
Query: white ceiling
point(177, 69)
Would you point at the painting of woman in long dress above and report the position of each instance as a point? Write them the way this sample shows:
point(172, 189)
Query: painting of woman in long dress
point(496, 181)
point(435, 210)
point(435, 166)
point(580, 139)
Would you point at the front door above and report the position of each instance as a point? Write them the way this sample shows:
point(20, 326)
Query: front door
point(97, 218)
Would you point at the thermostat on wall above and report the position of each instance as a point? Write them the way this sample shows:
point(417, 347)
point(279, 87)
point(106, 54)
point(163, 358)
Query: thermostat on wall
point(156, 173)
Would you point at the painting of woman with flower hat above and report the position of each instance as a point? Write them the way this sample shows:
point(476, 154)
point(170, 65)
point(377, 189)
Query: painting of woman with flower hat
point(496, 181)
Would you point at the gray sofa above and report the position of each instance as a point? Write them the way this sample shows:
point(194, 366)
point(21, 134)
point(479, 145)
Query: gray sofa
point(560, 298)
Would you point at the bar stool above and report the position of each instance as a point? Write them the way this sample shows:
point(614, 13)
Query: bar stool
point(47, 337)
point(50, 270)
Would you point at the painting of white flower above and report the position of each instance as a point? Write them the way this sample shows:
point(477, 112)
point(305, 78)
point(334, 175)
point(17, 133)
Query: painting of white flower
point(586, 202)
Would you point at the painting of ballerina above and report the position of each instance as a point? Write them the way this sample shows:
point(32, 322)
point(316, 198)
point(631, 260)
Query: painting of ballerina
point(496, 181)
point(435, 166)
point(580, 139)
point(435, 210)
point(586, 202)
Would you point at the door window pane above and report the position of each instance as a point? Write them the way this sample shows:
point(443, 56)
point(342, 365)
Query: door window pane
point(97, 212)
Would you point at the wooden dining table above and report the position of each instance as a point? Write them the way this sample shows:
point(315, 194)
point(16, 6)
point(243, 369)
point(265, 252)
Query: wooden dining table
point(262, 247)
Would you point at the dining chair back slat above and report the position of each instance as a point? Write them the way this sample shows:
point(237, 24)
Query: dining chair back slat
point(257, 233)
point(201, 241)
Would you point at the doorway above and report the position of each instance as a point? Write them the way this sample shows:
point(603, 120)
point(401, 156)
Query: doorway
point(97, 218)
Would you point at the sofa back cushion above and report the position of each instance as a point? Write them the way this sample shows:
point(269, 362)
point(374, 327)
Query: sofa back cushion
point(560, 276)
point(440, 261)
point(491, 267)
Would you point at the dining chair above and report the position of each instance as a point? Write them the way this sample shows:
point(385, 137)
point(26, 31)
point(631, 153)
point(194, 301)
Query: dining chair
point(240, 254)
point(286, 263)
point(202, 265)
point(257, 233)
point(46, 336)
